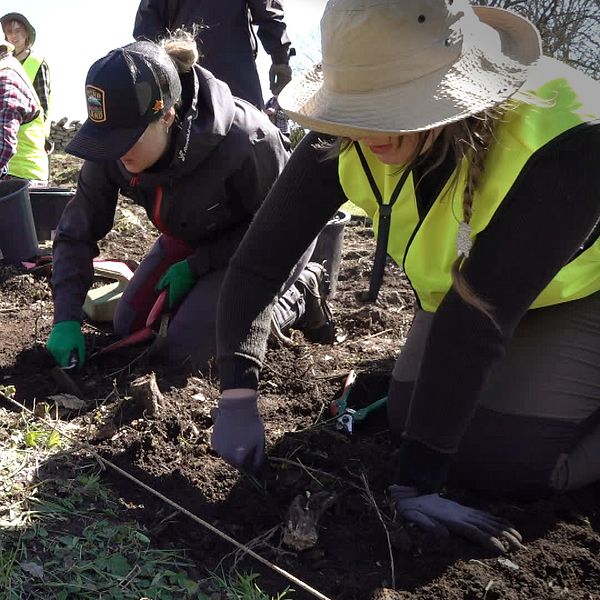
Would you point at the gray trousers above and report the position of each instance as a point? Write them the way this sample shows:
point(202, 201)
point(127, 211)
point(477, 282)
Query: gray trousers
point(537, 424)
point(192, 329)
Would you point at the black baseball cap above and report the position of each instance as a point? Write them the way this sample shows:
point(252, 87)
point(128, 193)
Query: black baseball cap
point(125, 91)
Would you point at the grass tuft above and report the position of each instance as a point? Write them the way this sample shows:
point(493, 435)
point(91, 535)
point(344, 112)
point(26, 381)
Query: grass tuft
point(243, 586)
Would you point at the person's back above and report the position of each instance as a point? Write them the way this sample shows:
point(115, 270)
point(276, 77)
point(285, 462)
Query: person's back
point(226, 41)
point(31, 160)
point(18, 103)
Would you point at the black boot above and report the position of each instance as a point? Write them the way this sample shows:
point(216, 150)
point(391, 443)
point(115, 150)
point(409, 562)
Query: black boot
point(303, 306)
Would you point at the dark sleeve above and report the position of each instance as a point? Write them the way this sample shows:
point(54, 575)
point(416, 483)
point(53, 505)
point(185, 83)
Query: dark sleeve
point(250, 185)
point(153, 18)
point(268, 16)
point(301, 202)
point(41, 84)
point(87, 218)
point(216, 254)
point(540, 226)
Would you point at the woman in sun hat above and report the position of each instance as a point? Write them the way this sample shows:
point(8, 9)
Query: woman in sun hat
point(166, 133)
point(31, 160)
point(477, 158)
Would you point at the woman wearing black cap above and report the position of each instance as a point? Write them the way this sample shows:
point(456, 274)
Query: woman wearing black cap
point(166, 133)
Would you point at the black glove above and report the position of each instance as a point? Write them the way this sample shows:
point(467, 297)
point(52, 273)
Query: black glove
point(279, 76)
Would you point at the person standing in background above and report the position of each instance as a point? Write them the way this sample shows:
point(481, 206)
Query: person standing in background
point(18, 103)
point(31, 160)
point(227, 45)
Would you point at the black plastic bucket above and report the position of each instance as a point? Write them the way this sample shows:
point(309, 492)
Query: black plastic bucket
point(47, 205)
point(328, 249)
point(18, 241)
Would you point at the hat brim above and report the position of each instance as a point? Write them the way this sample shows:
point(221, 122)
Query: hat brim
point(99, 144)
point(481, 78)
point(21, 18)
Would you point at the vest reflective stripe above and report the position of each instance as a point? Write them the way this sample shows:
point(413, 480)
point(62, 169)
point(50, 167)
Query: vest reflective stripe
point(427, 249)
point(31, 160)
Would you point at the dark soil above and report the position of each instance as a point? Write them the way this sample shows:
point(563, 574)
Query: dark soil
point(306, 454)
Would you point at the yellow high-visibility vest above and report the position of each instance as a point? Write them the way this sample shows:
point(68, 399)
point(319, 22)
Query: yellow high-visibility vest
point(32, 65)
point(31, 159)
point(426, 248)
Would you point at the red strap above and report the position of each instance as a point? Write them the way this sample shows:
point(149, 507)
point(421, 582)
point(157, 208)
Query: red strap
point(156, 213)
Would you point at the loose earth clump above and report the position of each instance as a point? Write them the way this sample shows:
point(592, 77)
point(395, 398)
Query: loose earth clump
point(344, 547)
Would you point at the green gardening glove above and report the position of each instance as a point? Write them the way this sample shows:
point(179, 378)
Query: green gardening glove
point(180, 279)
point(64, 340)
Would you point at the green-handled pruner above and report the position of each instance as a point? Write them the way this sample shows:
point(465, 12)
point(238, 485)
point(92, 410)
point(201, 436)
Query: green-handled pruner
point(346, 417)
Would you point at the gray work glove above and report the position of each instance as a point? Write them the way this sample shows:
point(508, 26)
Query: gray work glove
point(279, 76)
point(239, 433)
point(442, 516)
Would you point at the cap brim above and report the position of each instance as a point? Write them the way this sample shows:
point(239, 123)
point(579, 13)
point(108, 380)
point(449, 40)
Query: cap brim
point(99, 144)
point(448, 95)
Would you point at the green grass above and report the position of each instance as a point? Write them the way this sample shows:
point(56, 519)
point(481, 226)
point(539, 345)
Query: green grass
point(241, 586)
point(77, 546)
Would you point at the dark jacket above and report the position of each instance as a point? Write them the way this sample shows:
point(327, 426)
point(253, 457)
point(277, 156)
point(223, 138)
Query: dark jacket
point(227, 44)
point(223, 160)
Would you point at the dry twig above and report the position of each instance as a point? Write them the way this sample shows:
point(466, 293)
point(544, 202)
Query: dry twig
point(371, 500)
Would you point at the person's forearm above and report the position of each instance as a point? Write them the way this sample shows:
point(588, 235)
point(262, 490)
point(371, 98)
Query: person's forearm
point(71, 278)
point(88, 217)
point(303, 199)
point(41, 84)
point(272, 32)
point(8, 144)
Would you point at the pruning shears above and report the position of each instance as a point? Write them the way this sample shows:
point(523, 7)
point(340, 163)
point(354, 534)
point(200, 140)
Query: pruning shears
point(345, 416)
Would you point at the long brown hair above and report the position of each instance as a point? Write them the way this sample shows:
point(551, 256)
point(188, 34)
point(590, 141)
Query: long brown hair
point(471, 139)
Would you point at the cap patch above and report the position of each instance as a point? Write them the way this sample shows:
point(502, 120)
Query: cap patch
point(158, 106)
point(95, 104)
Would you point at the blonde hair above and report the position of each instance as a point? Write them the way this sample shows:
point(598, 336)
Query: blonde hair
point(181, 47)
point(471, 139)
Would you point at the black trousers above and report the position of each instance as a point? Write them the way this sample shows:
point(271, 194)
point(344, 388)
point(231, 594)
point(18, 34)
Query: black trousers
point(537, 424)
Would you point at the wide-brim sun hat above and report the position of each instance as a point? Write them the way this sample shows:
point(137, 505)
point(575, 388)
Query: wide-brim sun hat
point(398, 66)
point(14, 16)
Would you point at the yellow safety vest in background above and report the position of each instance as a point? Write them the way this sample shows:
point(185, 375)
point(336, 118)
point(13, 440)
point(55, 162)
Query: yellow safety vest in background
point(31, 159)
point(426, 249)
point(32, 65)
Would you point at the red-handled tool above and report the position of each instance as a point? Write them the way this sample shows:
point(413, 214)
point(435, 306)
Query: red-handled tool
point(141, 335)
point(340, 404)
